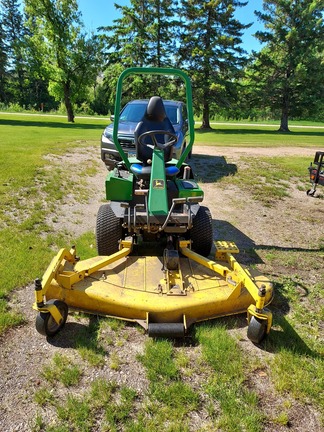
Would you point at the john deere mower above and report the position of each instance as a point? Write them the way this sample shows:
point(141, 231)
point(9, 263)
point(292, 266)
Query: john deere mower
point(154, 203)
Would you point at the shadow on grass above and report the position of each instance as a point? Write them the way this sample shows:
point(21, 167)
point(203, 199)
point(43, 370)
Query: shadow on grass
point(210, 169)
point(281, 337)
point(223, 230)
point(48, 124)
point(77, 335)
point(66, 338)
point(235, 130)
point(284, 337)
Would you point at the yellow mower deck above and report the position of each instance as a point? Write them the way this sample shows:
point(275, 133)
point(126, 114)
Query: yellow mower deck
point(142, 289)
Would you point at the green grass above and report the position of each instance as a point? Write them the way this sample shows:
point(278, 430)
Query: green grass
point(26, 184)
point(211, 376)
point(87, 343)
point(158, 361)
point(239, 404)
point(63, 370)
point(269, 179)
point(75, 414)
point(253, 136)
point(270, 123)
point(297, 368)
point(175, 398)
point(79, 413)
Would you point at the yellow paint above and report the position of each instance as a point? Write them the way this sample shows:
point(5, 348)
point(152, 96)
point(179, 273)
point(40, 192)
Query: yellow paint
point(135, 288)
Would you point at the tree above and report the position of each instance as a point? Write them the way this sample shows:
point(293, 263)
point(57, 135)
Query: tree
point(3, 62)
point(289, 70)
point(69, 59)
point(13, 45)
point(210, 50)
point(144, 35)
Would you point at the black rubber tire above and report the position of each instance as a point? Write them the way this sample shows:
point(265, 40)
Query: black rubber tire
point(201, 234)
point(257, 330)
point(108, 231)
point(45, 323)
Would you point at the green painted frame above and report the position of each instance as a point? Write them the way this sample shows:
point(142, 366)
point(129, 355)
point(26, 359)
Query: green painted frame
point(155, 71)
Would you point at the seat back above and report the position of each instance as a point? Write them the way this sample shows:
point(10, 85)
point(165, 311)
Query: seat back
point(155, 118)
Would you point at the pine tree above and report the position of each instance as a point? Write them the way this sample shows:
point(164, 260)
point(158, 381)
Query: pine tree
point(210, 49)
point(288, 72)
point(144, 35)
point(13, 46)
point(3, 62)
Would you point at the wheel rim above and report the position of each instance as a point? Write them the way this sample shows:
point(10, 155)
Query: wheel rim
point(52, 325)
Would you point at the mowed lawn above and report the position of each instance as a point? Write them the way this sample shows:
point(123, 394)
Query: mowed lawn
point(210, 380)
point(25, 240)
point(26, 243)
point(261, 136)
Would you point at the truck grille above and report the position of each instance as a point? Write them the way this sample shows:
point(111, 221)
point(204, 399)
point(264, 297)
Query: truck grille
point(126, 142)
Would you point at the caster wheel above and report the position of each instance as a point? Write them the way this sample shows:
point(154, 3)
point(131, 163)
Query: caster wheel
point(45, 323)
point(257, 330)
point(310, 192)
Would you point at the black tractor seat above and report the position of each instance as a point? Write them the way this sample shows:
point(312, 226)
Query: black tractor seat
point(154, 119)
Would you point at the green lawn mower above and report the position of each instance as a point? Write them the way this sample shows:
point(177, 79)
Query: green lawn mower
point(153, 197)
point(154, 202)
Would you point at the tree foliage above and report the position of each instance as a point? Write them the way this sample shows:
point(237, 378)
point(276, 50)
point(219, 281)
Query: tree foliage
point(288, 72)
point(3, 62)
point(199, 36)
point(144, 35)
point(66, 56)
point(210, 49)
point(12, 36)
point(44, 49)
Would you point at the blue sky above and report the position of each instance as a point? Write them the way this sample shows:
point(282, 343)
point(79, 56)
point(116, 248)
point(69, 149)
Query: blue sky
point(96, 13)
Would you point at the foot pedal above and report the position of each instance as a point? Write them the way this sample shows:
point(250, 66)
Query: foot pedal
point(224, 247)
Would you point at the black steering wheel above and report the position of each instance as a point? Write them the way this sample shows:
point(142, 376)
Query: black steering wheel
point(172, 138)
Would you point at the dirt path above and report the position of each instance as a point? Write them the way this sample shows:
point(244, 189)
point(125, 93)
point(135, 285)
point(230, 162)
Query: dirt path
point(236, 216)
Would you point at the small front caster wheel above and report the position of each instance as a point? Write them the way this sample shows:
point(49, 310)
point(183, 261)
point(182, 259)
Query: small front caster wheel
point(257, 330)
point(46, 324)
point(310, 192)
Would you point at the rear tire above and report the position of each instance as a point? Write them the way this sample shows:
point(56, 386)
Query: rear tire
point(108, 231)
point(201, 233)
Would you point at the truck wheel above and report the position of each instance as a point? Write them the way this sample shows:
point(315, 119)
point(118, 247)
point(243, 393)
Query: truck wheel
point(108, 231)
point(201, 233)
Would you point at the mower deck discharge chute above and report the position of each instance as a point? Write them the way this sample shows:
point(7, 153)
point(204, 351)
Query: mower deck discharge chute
point(154, 200)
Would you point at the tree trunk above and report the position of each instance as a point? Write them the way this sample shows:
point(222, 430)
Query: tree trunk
point(205, 117)
point(284, 114)
point(68, 103)
point(206, 92)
